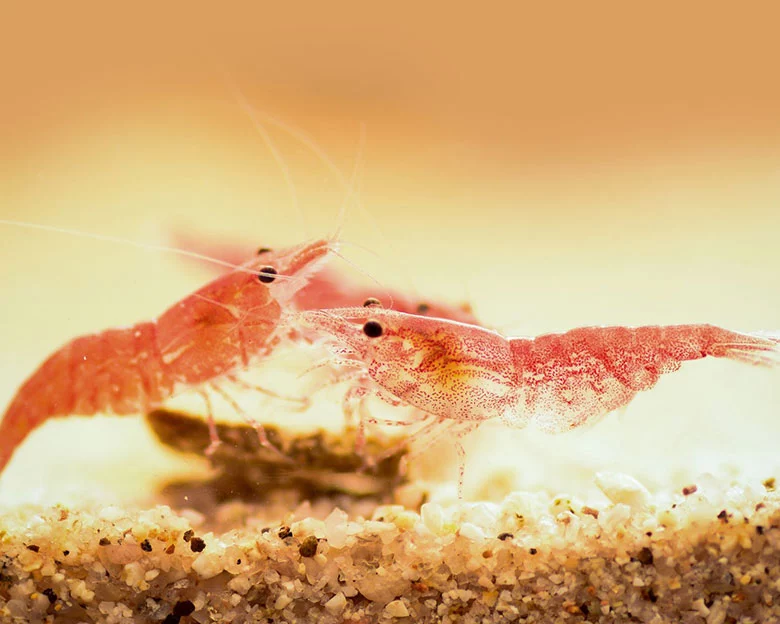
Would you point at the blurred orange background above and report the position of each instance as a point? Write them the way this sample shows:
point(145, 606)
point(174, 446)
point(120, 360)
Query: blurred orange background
point(556, 165)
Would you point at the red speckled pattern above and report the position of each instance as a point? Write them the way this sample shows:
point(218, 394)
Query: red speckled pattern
point(558, 381)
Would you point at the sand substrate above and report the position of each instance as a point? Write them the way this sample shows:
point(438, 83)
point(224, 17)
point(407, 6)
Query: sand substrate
point(707, 555)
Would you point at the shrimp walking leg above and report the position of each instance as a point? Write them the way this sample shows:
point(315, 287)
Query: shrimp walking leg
point(214, 440)
point(461, 451)
point(262, 436)
point(302, 402)
point(359, 394)
point(429, 435)
point(352, 397)
point(354, 400)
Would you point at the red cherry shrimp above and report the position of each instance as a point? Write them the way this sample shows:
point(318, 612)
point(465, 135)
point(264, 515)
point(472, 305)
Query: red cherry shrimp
point(199, 343)
point(462, 375)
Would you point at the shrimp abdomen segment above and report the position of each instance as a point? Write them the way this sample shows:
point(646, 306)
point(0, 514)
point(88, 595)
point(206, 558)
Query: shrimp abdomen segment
point(116, 371)
point(583, 374)
point(565, 379)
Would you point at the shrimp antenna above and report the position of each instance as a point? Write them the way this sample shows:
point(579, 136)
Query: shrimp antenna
point(310, 143)
point(357, 167)
point(368, 250)
point(126, 241)
point(254, 117)
point(350, 190)
point(346, 184)
point(335, 252)
point(300, 136)
point(306, 140)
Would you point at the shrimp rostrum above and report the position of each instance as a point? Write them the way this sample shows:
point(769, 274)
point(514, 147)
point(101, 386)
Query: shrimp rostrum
point(196, 344)
point(454, 372)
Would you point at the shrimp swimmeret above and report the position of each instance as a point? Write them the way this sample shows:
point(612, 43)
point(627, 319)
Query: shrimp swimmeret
point(198, 343)
point(464, 375)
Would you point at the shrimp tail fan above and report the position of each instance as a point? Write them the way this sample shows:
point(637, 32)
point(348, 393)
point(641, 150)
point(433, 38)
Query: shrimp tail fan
point(760, 349)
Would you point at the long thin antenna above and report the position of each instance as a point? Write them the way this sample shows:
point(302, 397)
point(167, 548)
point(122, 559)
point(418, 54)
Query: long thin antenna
point(126, 241)
point(253, 115)
point(310, 143)
point(350, 191)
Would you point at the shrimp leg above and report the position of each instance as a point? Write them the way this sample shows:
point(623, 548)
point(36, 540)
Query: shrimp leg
point(302, 402)
point(215, 442)
point(262, 436)
point(358, 395)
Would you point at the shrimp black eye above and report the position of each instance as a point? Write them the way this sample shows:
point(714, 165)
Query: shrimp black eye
point(423, 308)
point(371, 302)
point(267, 275)
point(372, 329)
point(263, 250)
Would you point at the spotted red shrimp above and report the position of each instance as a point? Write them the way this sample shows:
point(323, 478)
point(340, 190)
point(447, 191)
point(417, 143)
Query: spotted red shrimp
point(331, 288)
point(463, 375)
point(198, 343)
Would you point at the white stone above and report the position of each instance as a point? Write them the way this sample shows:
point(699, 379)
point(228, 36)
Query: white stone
point(622, 488)
point(472, 531)
point(336, 604)
point(134, 574)
point(397, 609)
point(335, 529)
point(432, 517)
point(207, 565)
point(240, 584)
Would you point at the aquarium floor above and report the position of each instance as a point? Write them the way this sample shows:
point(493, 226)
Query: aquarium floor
point(522, 560)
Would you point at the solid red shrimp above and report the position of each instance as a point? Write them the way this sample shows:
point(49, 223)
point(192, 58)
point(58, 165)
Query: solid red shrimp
point(207, 336)
point(465, 375)
point(331, 288)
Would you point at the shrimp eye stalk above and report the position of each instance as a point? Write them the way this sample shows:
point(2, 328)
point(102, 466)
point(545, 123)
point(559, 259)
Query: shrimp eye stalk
point(267, 275)
point(372, 302)
point(373, 329)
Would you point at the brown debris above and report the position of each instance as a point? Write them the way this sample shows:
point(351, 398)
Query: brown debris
point(320, 464)
point(690, 489)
